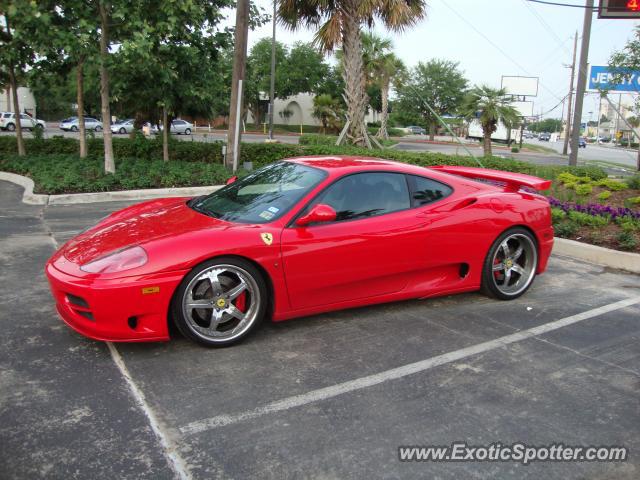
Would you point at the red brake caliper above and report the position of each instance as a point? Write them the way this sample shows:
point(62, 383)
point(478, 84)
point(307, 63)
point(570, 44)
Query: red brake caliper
point(241, 302)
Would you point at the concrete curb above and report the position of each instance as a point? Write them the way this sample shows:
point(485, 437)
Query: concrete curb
point(28, 196)
point(119, 196)
point(598, 255)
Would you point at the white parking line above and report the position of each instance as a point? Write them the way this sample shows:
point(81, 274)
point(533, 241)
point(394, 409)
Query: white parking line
point(359, 383)
point(176, 462)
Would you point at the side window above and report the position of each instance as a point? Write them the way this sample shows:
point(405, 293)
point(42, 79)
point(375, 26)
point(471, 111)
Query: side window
point(366, 195)
point(178, 122)
point(425, 191)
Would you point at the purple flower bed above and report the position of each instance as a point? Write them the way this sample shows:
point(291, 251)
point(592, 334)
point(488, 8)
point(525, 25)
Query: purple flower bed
point(595, 209)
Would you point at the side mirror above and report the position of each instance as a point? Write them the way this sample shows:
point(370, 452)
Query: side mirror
point(318, 214)
point(232, 180)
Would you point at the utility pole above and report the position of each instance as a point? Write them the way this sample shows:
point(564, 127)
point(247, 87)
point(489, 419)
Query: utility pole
point(567, 131)
point(599, 117)
point(582, 81)
point(237, 78)
point(272, 87)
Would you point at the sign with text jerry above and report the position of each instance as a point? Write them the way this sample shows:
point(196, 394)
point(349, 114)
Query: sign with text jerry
point(604, 78)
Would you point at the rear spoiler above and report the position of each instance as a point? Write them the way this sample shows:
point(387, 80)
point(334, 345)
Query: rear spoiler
point(513, 181)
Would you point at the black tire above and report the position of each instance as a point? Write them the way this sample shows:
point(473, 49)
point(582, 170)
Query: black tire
point(190, 281)
point(73, 128)
point(40, 127)
point(11, 127)
point(187, 131)
point(98, 129)
point(122, 131)
point(529, 264)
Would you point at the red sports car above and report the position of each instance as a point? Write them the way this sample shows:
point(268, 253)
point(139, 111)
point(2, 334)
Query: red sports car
point(299, 237)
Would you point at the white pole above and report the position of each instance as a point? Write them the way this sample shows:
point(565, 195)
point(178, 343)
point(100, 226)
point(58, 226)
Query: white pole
point(237, 136)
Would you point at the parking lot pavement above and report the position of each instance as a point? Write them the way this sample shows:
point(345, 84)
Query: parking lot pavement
point(330, 396)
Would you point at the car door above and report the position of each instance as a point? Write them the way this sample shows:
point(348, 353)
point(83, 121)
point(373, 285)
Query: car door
point(368, 251)
point(26, 121)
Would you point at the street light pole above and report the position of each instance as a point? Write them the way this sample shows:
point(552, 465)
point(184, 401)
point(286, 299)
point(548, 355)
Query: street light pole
point(567, 131)
point(582, 82)
point(272, 89)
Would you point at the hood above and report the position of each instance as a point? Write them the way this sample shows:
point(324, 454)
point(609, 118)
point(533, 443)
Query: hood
point(137, 225)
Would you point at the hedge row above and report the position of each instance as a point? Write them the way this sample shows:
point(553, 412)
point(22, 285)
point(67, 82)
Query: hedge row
point(54, 174)
point(55, 167)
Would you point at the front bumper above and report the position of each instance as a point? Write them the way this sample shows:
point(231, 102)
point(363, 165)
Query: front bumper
point(130, 309)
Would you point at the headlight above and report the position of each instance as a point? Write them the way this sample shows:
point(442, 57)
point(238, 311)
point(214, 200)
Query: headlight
point(118, 261)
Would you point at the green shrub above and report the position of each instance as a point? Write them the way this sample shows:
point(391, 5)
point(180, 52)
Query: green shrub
point(310, 139)
point(603, 196)
point(584, 180)
point(634, 182)
point(566, 177)
point(571, 185)
point(634, 201)
point(627, 240)
point(588, 220)
point(566, 229)
point(557, 215)
point(612, 184)
point(515, 149)
point(583, 189)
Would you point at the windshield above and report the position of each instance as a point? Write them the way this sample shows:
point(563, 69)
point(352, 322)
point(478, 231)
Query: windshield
point(262, 196)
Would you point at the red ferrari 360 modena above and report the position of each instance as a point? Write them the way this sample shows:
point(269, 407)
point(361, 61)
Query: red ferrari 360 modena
point(300, 237)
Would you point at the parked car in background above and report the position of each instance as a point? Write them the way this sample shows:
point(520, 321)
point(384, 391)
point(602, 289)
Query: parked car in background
point(177, 126)
point(123, 126)
point(8, 121)
point(416, 130)
point(582, 142)
point(544, 137)
point(72, 124)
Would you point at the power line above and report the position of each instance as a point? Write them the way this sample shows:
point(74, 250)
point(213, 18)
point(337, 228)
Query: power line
point(497, 47)
point(555, 4)
point(546, 26)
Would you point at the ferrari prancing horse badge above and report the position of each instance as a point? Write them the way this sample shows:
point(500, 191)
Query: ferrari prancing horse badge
point(267, 238)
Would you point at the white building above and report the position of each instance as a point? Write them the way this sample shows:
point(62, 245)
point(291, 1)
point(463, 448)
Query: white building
point(298, 110)
point(26, 101)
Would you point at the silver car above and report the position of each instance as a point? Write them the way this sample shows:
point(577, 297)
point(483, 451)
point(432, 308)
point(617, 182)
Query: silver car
point(123, 126)
point(72, 125)
point(8, 122)
point(177, 126)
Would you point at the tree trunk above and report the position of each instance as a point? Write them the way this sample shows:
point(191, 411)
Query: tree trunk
point(384, 117)
point(432, 130)
point(165, 134)
point(109, 163)
point(16, 109)
point(80, 102)
point(486, 144)
point(8, 93)
point(354, 89)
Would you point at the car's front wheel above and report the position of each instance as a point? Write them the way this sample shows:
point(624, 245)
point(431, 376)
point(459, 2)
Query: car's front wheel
point(187, 131)
point(74, 128)
point(511, 264)
point(122, 130)
point(220, 302)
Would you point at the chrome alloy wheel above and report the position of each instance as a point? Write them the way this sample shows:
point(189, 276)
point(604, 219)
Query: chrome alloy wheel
point(221, 303)
point(514, 264)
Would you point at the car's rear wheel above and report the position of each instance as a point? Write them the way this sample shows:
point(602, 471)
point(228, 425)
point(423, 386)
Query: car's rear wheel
point(511, 264)
point(11, 127)
point(220, 302)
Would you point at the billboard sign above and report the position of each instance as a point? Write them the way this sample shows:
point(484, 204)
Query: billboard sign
point(520, 86)
point(525, 109)
point(602, 78)
point(619, 9)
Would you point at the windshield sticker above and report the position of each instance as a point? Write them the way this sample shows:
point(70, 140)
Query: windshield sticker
point(267, 215)
point(273, 209)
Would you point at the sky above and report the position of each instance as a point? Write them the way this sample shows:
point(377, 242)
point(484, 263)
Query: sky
point(492, 38)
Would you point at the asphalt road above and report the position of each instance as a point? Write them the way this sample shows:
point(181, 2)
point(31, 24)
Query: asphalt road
point(329, 396)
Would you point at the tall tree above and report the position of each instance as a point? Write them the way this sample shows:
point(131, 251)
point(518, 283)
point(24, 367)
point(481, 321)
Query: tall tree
point(438, 83)
point(338, 24)
point(489, 106)
point(19, 21)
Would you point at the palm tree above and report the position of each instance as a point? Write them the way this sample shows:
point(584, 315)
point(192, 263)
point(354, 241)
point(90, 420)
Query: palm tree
point(489, 106)
point(328, 110)
point(338, 24)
